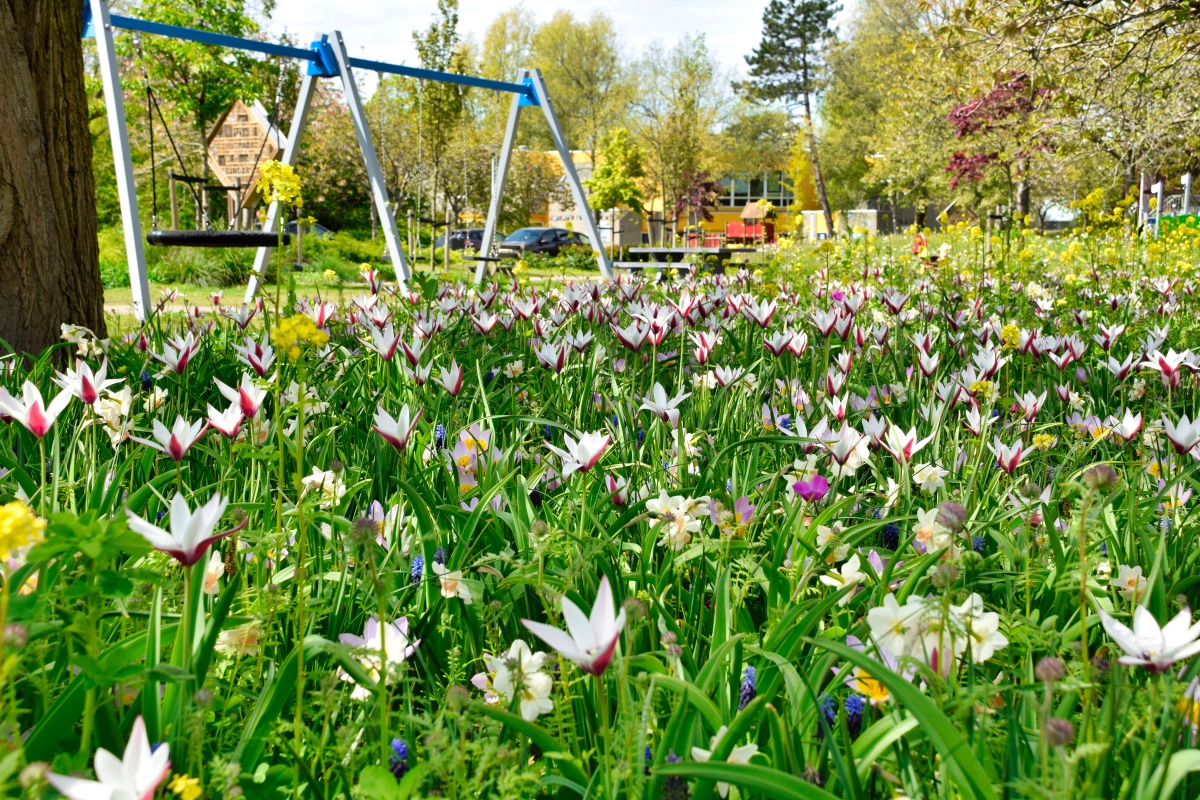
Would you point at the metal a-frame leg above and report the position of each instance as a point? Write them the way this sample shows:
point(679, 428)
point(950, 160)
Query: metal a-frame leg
point(371, 161)
point(564, 151)
point(291, 154)
point(114, 101)
point(506, 150)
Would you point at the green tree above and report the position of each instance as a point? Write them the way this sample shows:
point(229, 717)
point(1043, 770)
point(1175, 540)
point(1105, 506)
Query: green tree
point(196, 82)
point(507, 45)
point(864, 72)
point(682, 98)
point(614, 181)
point(441, 105)
point(754, 142)
point(534, 180)
point(789, 65)
point(586, 76)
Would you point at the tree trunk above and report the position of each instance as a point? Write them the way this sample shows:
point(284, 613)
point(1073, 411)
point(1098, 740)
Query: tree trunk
point(49, 256)
point(818, 178)
point(1023, 196)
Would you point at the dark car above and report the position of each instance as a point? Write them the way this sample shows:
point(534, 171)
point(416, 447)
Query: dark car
point(550, 241)
point(464, 239)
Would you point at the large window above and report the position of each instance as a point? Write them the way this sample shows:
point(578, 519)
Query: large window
point(772, 186)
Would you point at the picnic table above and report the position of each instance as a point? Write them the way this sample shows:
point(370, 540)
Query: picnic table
point(663, 257)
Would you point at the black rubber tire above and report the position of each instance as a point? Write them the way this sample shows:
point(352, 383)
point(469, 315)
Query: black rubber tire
point(215, 239)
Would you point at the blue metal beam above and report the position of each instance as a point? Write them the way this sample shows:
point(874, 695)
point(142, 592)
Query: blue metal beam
point(313, 54)
point(207, 37)
point(444, 77)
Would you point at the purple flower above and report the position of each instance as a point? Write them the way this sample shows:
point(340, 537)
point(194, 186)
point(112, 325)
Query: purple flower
point(813, 489)
point(749, 688)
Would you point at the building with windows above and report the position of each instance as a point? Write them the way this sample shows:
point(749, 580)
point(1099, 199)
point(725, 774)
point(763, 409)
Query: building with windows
point(737, 216)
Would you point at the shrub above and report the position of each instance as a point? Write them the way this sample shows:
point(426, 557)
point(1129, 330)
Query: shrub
point(113, 274)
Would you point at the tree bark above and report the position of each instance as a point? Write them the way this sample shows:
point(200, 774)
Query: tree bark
point(49, 255)
point(818, 178)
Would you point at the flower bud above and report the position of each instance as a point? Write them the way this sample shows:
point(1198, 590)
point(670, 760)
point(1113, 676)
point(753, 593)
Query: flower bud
point(1058, 732)
point(457, 698)
point(15, 636)
point(34, 773)
point(634, 608)
point(1049, 670)
point(951, 516)
point(1100, 478)
point(944, 576)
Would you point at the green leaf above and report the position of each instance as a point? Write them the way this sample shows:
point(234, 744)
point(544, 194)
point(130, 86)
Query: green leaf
point(59, 720)
point(549, 746)
point(1178, 768)
point(378, 783)
point(964, 769)
point(770, 782)
point(691, 694)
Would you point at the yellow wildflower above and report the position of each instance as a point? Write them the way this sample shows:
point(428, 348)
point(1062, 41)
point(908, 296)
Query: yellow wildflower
point(330, 275)
point(870, 688)
point(1043, 441)
point(19, 528)
point(983, 389)
point(279, 183)
point(520, 267)
point(1011, 336)
point(294, 331)
point(187, 788)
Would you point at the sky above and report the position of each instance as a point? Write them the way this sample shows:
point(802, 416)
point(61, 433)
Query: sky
point(382, 29)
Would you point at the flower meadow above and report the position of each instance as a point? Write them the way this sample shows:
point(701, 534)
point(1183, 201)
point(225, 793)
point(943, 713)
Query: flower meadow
point(856, 524)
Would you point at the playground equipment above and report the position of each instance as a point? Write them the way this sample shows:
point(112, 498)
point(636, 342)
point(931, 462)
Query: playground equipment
point(327, 57)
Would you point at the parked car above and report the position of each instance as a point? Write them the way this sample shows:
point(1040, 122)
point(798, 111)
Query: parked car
point(315, 229)
point(550, 241)
point(464, 239)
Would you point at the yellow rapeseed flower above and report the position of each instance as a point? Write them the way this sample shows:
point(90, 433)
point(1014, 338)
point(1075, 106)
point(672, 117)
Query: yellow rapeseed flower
point(1011, 336)
point(279, 183)
point(20, 527)
point(330, 275)
point(295, 331)
point(187, 788)
point(983, 389)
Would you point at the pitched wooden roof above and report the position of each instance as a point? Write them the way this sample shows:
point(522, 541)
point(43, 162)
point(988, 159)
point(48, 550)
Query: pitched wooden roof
point(240, 141)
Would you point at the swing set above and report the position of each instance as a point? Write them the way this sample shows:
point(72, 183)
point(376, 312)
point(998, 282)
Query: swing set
point(326, 57)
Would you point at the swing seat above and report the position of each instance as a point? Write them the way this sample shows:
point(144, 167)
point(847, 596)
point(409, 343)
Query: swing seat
point(215, 238)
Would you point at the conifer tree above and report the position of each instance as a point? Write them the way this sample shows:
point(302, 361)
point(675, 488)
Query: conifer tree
point(789, 64)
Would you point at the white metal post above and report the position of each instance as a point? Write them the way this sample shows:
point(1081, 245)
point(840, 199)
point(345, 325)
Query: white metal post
point(1141, 216)
point(1187, 192)
point(564, 151)
point(371, 161)
point(114, 101)
point(1157, 190)
point(291, 154)
point(499, 177)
